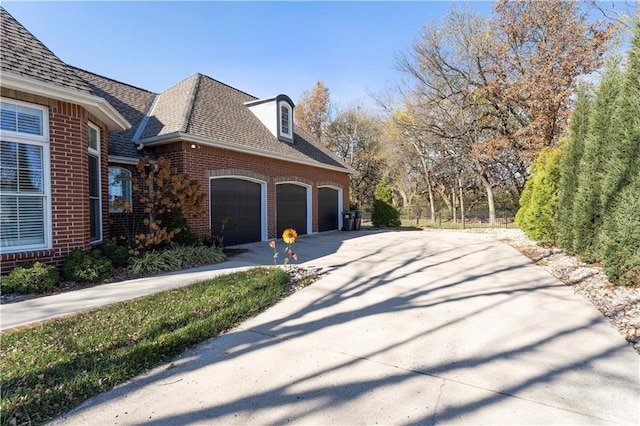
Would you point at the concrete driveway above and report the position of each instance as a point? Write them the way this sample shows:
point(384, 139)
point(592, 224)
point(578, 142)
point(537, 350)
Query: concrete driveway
point(407, 328)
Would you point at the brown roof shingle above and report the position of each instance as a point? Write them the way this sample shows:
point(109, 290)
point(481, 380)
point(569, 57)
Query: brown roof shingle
point(131, 102)
point(23, 54)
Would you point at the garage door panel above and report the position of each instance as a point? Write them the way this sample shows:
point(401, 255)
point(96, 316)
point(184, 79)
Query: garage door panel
point(327, 209)
point(240, 201)
point(291, 209)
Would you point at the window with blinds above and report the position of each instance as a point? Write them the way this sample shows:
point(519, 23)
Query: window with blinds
point(24, 156)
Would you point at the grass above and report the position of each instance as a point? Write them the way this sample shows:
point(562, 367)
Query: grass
point(52, 367)
point(426, 224)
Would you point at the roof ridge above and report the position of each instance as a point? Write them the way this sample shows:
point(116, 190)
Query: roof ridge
point(110, 79)
point(191, 103)
point(80, 84)
point(229, 86)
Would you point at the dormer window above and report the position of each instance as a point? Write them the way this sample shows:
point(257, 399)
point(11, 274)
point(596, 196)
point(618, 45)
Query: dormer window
point(285, 128)
point(284, 120)
point(276, 114)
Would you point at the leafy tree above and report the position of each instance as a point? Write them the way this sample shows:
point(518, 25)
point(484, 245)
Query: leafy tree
point(588, 207)
point(355, 137)
point(572, 151)
point(163, 191)
point(537, 213)
point(624, 158)
point(494, 92)
point(312, 111)
point(620, 235)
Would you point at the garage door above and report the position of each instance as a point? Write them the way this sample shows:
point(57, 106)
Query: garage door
point(240, 201)
point(291, 208)
point(327, 209)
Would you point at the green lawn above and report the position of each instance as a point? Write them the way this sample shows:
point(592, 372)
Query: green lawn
point(52, 367)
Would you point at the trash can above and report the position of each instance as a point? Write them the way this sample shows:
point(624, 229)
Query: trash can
point(347, 223)
point(357, 220)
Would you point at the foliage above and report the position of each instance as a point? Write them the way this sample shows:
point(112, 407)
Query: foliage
point(383, 191)
point(32, 278)
point(385, 215)
point(86, 266)
point(175, 258)
point(289, 237)
point(355, 137)
point(621, 237)
point(537, 214)
point(572, 150)
point(185, 236)
point(163, 190)
point(117, 254)
point(588, 204)
point(485, 95)
point(624, 152)
point(312, 111)
point(53, 367)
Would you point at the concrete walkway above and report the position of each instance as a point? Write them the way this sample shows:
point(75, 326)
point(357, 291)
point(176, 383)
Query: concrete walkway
point(407, 328)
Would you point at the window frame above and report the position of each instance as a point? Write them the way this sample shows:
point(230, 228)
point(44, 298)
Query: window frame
point(289, 131)
point(130, 190)
point(42, 141)
point(95, 153)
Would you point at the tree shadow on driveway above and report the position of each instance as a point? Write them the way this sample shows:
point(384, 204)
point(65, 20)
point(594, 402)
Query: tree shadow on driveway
point(414, 329)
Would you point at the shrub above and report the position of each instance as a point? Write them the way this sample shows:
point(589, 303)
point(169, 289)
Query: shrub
point(621, 238)
point(86, 266)
point(384, 214)
point(117, 254)
point(175, 258)
point(30, 279)
point(537, 214)
point(185, 236)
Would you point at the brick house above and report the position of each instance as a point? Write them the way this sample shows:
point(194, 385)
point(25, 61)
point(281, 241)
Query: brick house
point(70, 138)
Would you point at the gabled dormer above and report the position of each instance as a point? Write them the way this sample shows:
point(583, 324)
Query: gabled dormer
point(276, 114)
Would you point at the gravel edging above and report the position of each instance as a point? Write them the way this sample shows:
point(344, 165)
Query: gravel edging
point(619, 304)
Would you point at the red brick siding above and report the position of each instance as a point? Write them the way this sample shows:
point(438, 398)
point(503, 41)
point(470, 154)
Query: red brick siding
point(200, 162)
point(68, 140)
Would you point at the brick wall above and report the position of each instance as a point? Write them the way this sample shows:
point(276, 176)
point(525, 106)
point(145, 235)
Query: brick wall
point(203, 162)
point(68, 140)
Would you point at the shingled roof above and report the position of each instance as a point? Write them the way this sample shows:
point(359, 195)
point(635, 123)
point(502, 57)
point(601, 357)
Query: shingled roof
point(204, 107)
point(23, 54)
point(131, 102)
point(198, 106)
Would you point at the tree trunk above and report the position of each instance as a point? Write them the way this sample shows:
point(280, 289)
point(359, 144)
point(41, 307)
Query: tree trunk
point(462, 218)
point(492, 207)
point(453, 204)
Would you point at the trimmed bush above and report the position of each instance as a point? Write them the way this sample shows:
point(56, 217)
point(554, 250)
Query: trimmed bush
point(30, 279)
point(621, 238)
point(86, 266)
point(384, 214)
point(538, 203)
point(117, 254)
point(175, 258)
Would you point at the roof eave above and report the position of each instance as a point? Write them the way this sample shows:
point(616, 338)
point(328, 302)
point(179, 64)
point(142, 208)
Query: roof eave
point(187, 137)
point(96, 105)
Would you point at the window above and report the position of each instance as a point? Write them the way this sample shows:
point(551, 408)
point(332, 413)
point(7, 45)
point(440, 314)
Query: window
point(120, 199)
point(24, 180)
point(285, 120)
point(95, 199)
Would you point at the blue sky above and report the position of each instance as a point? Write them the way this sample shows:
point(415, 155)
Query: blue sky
point(262, 48)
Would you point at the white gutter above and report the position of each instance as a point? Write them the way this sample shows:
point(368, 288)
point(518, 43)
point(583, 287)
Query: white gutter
point(123, 160)
point(94, 104)
point(186, 137)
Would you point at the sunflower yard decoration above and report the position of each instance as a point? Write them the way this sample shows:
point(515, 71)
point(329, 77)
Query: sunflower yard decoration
point(289, 236)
